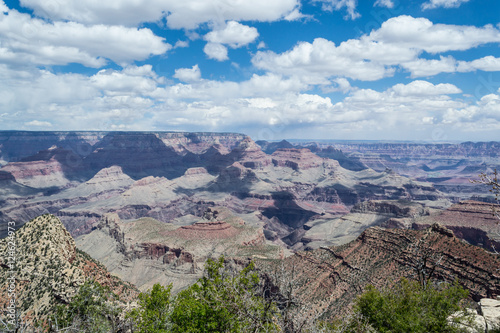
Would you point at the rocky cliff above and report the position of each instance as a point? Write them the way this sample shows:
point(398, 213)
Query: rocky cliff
point(146, 251)
point(470, 220)
point(48, 269)
point(166, 176)
point(328, 279)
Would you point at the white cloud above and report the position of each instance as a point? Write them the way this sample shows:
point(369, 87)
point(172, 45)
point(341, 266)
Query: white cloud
point(426, 67)
point(319, 60)
point(27, 40)
point(131, 81)
point(37, 123)
point(216, 51)
point(398, 42)
point(186, 14)
point(424, 88)
point(3, 7)
point(350, 5)
point(261, 45)
point(188, 74)
point(422, 34)
point(443, 3)
point(181, 43)
point(135, 98)
point(487, 64)
point(384, 3)
point(233, 34)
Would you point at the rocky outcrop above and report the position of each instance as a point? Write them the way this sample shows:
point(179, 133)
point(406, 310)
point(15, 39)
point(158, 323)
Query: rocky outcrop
point(55, 167)
point(206, 230)
point(147, 251)
point(300, 159)
point(490, 310)
point(470, 220)
point(49, 269)
point(249, 154)
point(329, 279)
point(166, 176)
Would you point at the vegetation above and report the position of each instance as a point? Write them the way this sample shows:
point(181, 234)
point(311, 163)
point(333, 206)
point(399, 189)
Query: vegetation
point(90, 310)
point(411, 307)
point(154, 310)
point(223, 300)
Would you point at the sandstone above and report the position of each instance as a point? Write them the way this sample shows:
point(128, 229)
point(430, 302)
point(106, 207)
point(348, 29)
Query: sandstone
point(472, 323)
point(490, 309)
point(147, 251)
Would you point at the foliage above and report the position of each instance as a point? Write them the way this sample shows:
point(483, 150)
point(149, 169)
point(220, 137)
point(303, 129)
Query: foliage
point(410, 307)
point(154, 310)
point(223, 300)
point(90, 310)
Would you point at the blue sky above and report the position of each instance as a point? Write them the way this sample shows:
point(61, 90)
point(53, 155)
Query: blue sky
point(316, 69)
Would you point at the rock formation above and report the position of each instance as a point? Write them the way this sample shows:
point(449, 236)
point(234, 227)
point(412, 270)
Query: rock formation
point(48, 269)
point(166, 176)
point(147, 251)
point(470, 220)
point(329, 278)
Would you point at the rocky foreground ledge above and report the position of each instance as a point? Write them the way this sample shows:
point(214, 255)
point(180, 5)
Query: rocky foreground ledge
point(49, 269)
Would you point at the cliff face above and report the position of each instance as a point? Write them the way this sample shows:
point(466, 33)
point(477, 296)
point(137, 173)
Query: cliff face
point(470, 220)
point(16, 145)
point(329, 279)
point(146, 251)
point(166, 176)
point(49, 269)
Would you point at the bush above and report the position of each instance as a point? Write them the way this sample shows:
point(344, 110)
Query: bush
point(90, 310)
point(154, 310)
point(411, 308)
point(223, 300)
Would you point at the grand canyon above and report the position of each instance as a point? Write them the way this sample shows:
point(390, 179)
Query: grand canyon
point(152, 207)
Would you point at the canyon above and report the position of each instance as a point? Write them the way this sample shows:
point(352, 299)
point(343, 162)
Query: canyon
point(153, 207)
point(137, 201)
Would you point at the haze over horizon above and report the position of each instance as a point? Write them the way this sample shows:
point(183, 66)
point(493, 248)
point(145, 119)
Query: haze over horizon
point(425, 70)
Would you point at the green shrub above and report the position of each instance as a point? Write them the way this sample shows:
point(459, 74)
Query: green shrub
point(153, 313)
point(223, 301)
point(90, 310)
point(411, 308)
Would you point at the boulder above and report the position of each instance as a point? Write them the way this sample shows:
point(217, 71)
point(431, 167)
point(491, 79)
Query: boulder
point(470, 322)
point(490, 308)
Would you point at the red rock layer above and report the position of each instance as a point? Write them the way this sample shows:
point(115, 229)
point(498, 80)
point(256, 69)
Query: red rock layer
point(206, 230)
point(329, 279)
point(296, 159)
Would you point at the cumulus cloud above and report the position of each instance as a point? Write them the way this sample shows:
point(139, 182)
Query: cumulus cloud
point(398, 42)
point(316, 61)
point(216, 51)
point(384, 3)
point(188, 74)
point(233, 34)
point(424, 88)
point(27, 40)
point(3, 7)
point(181, 43)
point(187, 14)
point(421, 34)
point(349, 5)
point(443, 3)
point(426, 67)
point(487, 64)
point(136, 98)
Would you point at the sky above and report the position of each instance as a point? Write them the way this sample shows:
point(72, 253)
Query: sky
point(426, 70)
